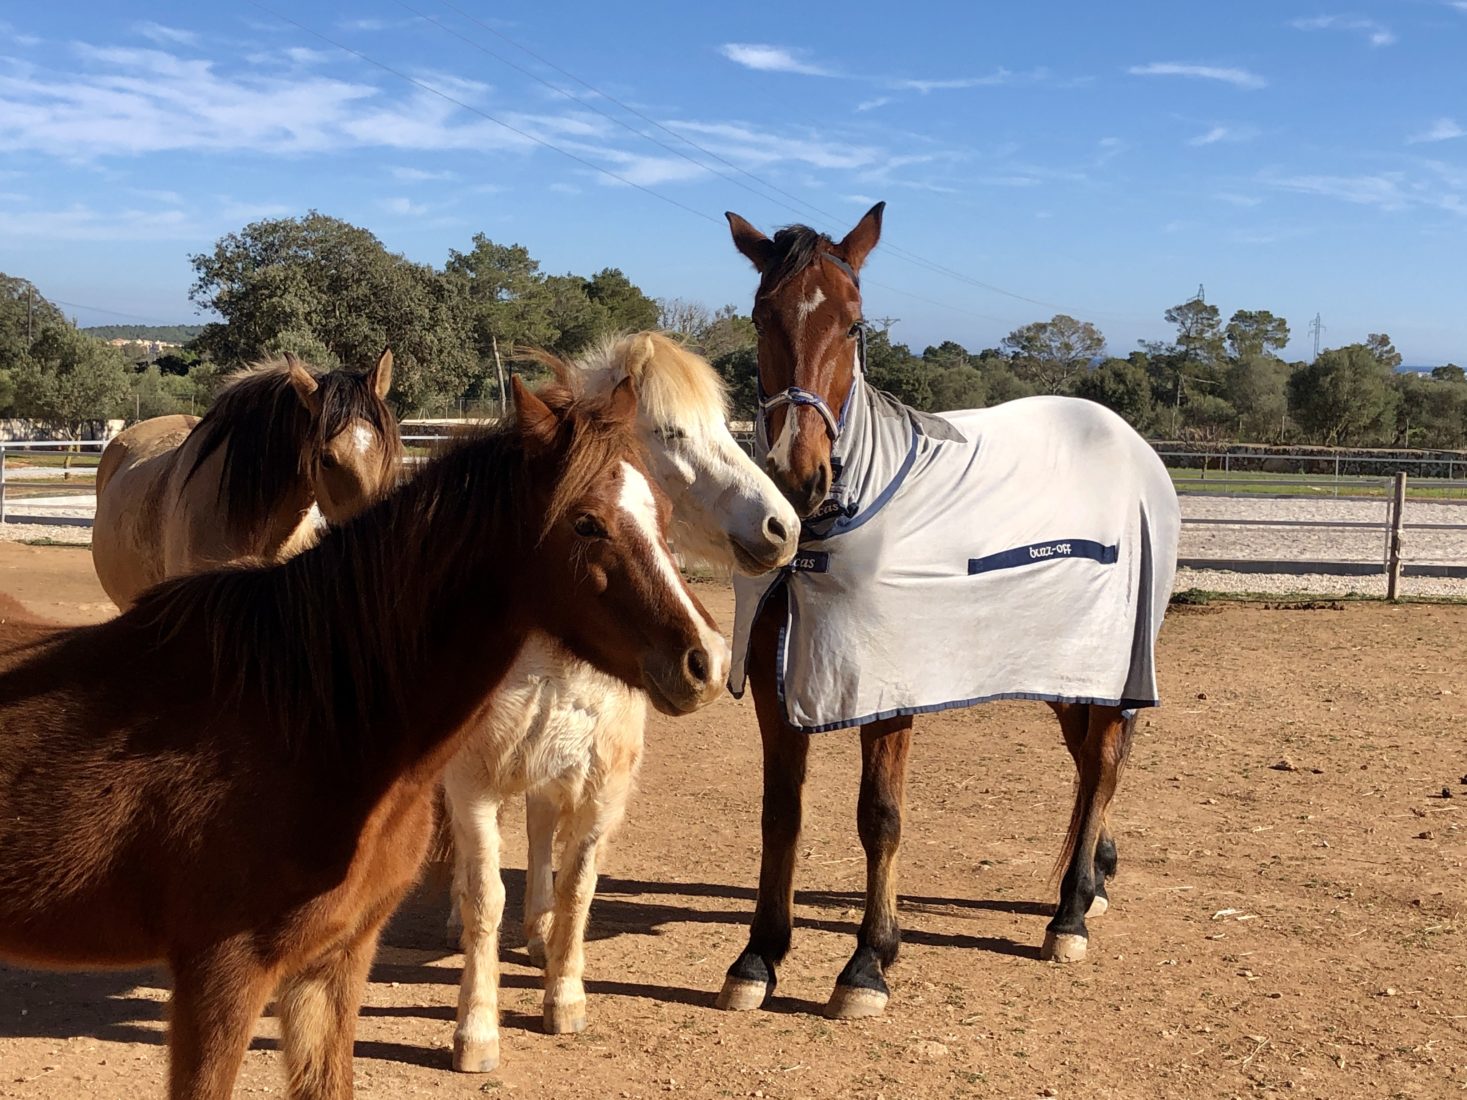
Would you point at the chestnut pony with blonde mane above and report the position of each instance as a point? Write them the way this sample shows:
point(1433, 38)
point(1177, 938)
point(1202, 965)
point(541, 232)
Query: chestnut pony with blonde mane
point(282, 451)
point(235, 777)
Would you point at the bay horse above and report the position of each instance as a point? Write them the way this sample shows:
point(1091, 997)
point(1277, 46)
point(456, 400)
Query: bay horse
point(568, 734)
point(282, 451)
point(808, 314)
point(235, 776)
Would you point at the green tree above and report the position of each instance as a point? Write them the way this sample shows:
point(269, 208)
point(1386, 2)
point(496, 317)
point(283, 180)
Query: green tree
point(1450, 372)
point(1253, 333)
point(1121, 385)
point(1381, 347)
point(330, 291)
point(1049, 354)
point(70, 380)
point(739, 370)
point(1345, 397)
point(24, 315)
point(1256, 386)
point(627, 308)
point(893, 368)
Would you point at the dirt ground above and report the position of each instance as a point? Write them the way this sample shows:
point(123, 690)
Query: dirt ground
point(1291, 931)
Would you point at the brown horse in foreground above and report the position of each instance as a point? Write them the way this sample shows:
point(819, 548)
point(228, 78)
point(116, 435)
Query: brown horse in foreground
point(282, 451)
point(808, 314)
point(235, 776)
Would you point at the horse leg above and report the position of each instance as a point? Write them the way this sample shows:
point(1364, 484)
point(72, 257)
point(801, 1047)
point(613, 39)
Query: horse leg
point(1074, 719)
point(217, 996)
point(598, 811)
point(1107, 740)
point(481, 906)
point(318, 1018)
point(751, 979)
point(541, 813)
point(861, 988)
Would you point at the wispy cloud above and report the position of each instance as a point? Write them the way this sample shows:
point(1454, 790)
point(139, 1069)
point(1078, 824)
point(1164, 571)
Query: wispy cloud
point(80, 222)
point(1377, 34)
point(998, 76)
point(1443, 129)
point(1232, 198)
point(1239, 78)
point(400, 204)
point(1224, 134)
point(1392, 191)
point(166, 36)
point(421, 175)
point(872, 104)
point(565, 188)
point(771, 59)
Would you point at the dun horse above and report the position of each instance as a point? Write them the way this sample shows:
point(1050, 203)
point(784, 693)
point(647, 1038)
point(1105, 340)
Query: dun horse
point(281, 450)
point(571, 735)
point(1022, 551)
point(235, 777)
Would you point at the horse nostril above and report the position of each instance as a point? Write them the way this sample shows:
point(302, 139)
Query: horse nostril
point(696, 664)
point(776, 530)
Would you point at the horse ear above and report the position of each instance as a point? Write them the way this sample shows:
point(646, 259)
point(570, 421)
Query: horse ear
point(381, 375)
point(860, 241)
point(756, 247)
point(303, 382)
point(537, 422)
point(640, 352)
point(622, 405)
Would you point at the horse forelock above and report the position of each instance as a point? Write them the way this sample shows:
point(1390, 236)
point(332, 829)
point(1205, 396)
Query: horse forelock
point(674, 384)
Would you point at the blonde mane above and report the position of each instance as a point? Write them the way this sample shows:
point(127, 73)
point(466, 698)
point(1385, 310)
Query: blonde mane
point(674, 385)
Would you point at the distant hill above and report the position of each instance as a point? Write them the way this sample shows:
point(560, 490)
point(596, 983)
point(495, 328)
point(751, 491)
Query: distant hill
point(167, 334)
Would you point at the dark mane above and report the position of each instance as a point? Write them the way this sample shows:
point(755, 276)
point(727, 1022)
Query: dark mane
point(270, 443)
point(329, 640)
point(795, 248)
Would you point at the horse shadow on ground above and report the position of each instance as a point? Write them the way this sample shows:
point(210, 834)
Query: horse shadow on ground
point(631, 907)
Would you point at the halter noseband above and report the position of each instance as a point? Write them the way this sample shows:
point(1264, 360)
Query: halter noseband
point(796, 396)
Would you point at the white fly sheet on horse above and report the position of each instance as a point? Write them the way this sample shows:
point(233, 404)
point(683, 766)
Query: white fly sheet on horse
point(1024, 551)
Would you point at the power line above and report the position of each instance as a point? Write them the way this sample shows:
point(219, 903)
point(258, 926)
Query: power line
point(112, 312)
point(894, 250)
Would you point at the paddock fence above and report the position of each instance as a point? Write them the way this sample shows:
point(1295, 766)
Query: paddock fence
point(1255, 510)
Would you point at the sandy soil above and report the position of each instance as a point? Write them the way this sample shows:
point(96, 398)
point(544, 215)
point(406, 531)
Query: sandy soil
point(1274, 931)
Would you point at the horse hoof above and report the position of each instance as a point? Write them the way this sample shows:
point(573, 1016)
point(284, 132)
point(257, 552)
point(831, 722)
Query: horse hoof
point(1097, 907)
point(850, 1002)
point(566, 1019)
point(742, 995)
point(535, 948)
point(1063, 948)
point(481, 1057)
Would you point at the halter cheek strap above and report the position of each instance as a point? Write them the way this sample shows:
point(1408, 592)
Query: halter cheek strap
point(796, 396)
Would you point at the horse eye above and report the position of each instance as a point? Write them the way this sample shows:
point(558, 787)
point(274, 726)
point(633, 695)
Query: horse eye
point(588, 526)
point(670, 433)
point(329, 462)
point(854, 330)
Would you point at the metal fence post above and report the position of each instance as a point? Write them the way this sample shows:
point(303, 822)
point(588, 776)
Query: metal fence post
point(2, 482)
point(1398, 508)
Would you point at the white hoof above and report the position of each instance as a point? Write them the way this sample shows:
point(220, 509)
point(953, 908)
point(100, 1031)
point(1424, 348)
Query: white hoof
point(535, 948)
point(741, 995)
point(1098, 907)
point(852, 1003)
point(1064, 948)
point(565, 1019)
point(480, 1057)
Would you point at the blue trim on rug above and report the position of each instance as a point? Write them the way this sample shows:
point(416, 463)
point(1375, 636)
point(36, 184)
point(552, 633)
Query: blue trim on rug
point(1052, 550)
point(1128, 706)
point(758, 611)
point(845, 526)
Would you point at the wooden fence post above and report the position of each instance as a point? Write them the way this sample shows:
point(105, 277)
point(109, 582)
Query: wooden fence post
point(1398, 508)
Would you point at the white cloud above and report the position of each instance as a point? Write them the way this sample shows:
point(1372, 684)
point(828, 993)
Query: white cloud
point(421, 175)
point(304, 55)
point(1235, 199)
point(741, 143)
point(80, 222)
point(1443, 129)
point(999, 76)
point(1388, 190)
point(860, 200)
point(565, 188)
point(401, 205)
point(770, 59)
point(1224, 133)
point(167, 36)
point(1377, 34)
point(1239, 78)
point(872, 104)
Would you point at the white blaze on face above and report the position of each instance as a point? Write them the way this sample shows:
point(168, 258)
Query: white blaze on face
point(363, 437)
point(780, 454)
point(811, 304)
point(637, 502)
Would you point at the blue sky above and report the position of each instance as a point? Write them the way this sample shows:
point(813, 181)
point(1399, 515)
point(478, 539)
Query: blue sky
point(1098, 159)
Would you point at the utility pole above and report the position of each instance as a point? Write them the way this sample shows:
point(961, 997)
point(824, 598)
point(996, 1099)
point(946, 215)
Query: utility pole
point(30, 314)
point(1316, 327)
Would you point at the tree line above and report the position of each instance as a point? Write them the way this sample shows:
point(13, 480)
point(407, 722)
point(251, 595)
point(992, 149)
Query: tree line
point(331, 292)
